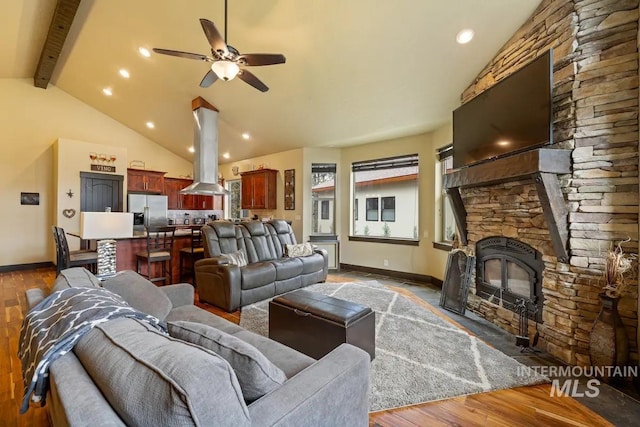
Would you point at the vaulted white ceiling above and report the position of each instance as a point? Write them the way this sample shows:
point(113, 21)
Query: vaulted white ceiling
point(357, 71)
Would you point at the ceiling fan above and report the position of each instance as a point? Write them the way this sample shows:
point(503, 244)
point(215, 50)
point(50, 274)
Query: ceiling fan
point(226, 61)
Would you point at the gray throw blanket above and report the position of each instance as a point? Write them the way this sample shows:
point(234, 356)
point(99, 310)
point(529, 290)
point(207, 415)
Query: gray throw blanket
point(53, 327)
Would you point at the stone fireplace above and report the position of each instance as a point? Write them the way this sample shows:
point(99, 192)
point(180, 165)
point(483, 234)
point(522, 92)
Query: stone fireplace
point(565, 204)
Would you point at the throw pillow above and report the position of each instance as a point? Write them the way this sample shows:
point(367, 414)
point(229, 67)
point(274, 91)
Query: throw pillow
point(236, 257)
point(140, 293)
point(256, 374)
point(301, 249)
point(152, 379)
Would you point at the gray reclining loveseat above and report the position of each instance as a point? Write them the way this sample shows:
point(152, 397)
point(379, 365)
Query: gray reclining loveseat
point(269, 272)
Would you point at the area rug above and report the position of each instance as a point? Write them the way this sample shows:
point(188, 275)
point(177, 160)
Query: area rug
point(420, 356)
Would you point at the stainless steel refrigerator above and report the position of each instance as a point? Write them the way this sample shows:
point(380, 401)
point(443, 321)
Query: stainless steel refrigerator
point(153, 209)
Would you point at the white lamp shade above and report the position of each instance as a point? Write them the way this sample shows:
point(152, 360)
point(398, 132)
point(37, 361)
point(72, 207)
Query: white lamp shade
point(225, 70)
point(106, 225)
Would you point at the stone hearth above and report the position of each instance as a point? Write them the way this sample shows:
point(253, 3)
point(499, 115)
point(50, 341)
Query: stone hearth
point(595, 104)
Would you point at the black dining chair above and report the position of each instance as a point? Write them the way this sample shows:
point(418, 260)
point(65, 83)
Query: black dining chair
point(191, 254)
point(159, 249)
point(67, 259)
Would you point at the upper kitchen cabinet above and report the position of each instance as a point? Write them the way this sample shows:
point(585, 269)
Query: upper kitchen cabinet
point(146, 181)
point(175, 200)
point(259, 189)
point(172, 187)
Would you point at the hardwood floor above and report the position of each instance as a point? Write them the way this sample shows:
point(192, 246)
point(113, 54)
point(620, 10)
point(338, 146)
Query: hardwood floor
point(524, 406)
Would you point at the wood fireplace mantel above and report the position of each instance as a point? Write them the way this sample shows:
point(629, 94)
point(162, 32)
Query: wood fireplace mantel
point(542, 165)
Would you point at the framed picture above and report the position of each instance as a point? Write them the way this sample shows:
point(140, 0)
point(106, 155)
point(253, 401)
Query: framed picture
point(29, 198)
point(289, 189)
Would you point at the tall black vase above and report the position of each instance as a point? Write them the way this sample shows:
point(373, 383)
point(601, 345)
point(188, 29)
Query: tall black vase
point(608, 345)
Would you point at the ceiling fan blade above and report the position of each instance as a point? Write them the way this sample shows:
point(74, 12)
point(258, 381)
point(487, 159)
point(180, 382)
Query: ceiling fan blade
point(213, 35)
point(249, 78)
point(255, 59)
point(180, 54)
point(208, 79)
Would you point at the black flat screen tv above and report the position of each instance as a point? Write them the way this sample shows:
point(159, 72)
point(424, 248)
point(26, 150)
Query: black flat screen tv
point(512, 116)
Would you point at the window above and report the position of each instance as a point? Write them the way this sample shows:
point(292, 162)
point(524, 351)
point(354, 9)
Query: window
point(448, 225)
point(325, 210)
point(388, 209)
point(372, 209)
point(383, 184)
point(323, 191)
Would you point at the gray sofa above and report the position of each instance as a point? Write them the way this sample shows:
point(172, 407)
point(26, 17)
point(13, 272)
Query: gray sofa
point(269, 271)
point(120, 373)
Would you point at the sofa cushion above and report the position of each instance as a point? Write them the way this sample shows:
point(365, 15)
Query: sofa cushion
point(238, 258)
point(257, 274)
point(151, 379)
point(312, 263)
point(140, 293)
point(298, 250)
point(287, 268)
point(289, 360)
point(256, 374)
point(191, 313)
point(75, 277)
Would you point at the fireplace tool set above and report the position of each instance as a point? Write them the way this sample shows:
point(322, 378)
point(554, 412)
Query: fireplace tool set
point(522, 339)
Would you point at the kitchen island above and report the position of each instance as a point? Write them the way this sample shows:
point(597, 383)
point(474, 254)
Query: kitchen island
point(128, 247)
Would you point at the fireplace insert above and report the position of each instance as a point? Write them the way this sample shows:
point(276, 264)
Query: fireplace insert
point(508, 270)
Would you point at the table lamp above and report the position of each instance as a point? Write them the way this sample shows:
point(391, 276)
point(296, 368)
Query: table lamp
point(105, 227)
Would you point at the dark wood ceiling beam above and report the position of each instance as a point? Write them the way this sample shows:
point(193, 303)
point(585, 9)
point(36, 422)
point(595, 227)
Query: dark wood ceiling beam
point(58, 30)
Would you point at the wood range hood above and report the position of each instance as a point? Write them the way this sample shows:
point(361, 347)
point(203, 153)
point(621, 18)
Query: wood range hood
point(542, 165)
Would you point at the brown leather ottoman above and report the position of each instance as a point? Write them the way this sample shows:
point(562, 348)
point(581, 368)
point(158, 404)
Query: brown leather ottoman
point(315, 324)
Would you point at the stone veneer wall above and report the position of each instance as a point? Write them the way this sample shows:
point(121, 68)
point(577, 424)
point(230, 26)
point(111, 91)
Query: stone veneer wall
point(595, 103)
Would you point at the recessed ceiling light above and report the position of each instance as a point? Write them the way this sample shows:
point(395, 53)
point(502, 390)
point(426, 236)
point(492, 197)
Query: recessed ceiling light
point(226, 155)
point(504, 143)
point(107, 91)
point(464, 36)
point(151, 125)
point(192, 150)
point(144, 52)
point(246, 135)
point(124, 73)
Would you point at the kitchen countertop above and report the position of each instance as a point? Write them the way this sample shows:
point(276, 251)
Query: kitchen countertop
point(181, 231)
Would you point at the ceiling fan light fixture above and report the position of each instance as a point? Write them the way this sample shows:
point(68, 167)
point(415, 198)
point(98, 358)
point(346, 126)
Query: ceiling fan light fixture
point(225, 70)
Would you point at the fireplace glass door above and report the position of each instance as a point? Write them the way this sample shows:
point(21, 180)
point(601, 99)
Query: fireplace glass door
point(503, 273)
point(508, 270)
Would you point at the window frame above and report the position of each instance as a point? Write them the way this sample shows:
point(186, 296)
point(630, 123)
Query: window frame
point(375, 177)
point(383, 209)
point(324, 209)
point(377, 209)
point(445, 160)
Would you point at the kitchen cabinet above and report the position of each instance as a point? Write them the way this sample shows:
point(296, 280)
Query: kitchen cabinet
point(172, 187)
point(175, 200)
point(259, 189)
point(140, 180)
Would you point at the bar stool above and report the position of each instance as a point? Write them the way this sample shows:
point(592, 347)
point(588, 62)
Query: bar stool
point(159, 249)
point(67, 259)
point(193, 253)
